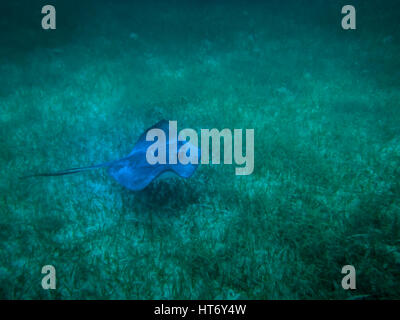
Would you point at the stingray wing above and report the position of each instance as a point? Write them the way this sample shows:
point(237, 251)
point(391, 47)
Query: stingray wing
point(135, 173)
point(141, 143)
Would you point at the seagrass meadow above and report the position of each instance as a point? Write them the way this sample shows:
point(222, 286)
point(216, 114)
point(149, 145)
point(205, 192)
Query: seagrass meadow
point(324, 106)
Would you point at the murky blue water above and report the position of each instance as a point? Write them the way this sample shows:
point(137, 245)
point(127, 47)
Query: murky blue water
point(324, 106)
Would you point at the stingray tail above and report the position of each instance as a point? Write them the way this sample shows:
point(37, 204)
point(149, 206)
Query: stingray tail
point(67, 171)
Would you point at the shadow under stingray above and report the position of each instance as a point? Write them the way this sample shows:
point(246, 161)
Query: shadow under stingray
point(172, 196)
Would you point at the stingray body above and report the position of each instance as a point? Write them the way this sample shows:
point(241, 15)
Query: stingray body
point(133, 171)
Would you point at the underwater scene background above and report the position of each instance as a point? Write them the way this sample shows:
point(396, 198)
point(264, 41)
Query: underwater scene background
point(324, 104)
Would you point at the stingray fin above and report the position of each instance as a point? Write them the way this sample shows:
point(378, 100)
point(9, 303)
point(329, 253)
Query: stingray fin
point(143, 143)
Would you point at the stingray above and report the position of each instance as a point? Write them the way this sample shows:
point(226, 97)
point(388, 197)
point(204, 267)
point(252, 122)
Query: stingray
point(133, 171)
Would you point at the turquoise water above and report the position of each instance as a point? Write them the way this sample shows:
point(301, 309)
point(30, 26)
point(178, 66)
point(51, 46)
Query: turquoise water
point(324, 106)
